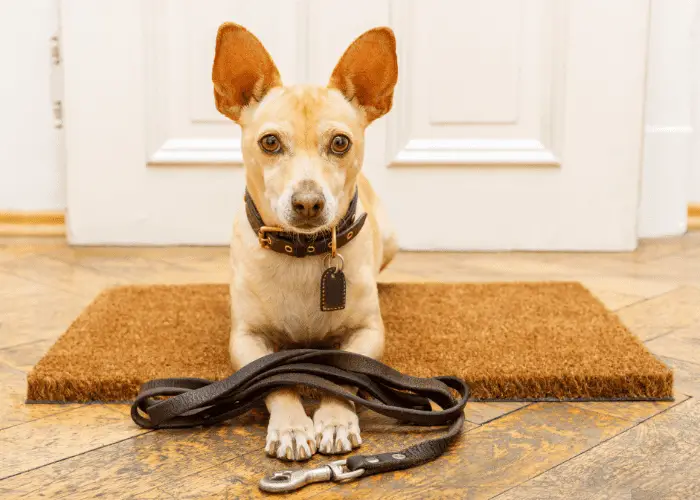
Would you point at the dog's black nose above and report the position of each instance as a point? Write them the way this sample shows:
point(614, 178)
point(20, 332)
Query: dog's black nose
point(308, 204)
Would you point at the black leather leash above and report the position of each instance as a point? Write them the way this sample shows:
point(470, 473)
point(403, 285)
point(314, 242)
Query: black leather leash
point(197, 402)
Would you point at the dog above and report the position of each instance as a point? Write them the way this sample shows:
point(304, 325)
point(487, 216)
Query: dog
point(303, 150)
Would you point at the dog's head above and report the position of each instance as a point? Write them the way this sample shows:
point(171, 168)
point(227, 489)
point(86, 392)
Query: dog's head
point(303, 146)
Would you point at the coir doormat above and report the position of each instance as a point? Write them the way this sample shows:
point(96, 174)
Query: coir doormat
point(510, 341)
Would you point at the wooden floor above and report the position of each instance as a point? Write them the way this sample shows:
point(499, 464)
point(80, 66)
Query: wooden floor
point(508, 450)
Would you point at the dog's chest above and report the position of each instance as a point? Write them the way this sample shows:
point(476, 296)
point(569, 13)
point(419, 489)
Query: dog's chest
point(293, 289)
point(279, 296)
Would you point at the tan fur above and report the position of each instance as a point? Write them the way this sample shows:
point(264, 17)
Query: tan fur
point(274, 297)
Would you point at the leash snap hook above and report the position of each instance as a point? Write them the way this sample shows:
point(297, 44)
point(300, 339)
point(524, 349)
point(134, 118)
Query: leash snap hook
point(289, 480)
point(342, 473)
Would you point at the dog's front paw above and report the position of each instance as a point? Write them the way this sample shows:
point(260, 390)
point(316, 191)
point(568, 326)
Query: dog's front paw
point(337, 428)
point(290, 437)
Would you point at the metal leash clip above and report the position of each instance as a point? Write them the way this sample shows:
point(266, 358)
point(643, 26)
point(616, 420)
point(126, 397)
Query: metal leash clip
point(291, 480)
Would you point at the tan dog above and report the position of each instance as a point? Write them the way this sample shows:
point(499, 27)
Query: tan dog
point(303, 149)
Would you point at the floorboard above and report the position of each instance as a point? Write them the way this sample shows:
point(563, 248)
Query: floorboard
point(659, 458)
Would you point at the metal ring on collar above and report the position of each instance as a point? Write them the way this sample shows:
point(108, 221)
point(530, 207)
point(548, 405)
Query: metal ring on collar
point(328, 260)
point(334, 244)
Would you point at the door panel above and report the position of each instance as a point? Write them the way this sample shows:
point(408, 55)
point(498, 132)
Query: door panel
point(457, 39)
point(184, 126)
point(477, 85)
point(516, 124)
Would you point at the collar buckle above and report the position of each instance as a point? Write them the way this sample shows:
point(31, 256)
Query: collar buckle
point(264, 240)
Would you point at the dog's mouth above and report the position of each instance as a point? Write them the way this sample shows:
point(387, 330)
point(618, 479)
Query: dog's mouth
point(308, 226)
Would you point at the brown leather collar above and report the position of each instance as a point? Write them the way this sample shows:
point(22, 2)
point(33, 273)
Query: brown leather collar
point(302, 245)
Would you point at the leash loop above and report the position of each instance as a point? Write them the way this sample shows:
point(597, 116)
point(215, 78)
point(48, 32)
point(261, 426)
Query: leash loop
point(190, 402)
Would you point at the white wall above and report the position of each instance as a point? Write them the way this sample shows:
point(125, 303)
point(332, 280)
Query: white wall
point(668, 131)
point(694, 174)
point(31, 176)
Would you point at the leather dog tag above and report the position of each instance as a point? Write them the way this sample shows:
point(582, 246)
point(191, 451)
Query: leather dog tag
point(332, 290)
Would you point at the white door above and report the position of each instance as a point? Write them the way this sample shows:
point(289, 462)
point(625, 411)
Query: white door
point(517, 124)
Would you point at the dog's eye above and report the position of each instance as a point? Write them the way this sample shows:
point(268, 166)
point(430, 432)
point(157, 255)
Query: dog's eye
point(271, 144)
point(340, 144)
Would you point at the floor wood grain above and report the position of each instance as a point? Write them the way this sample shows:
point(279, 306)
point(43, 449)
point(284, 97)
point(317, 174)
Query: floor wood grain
point(480, 413)
point(13, 411)
point(682, 344)
point(498, 455)
point(61, 435)
point(636, 411)
point(664, 313)
point(631, 450)
point(686, 376)
point(659, 458)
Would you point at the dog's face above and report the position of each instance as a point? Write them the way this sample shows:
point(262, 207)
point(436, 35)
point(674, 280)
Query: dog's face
point(306, 145)
point(303, 146)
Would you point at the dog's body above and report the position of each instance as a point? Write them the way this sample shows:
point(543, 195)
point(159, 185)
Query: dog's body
point(276, 295)
point(303, 149)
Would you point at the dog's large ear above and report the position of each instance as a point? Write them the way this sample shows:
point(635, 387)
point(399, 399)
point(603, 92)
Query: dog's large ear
point(367, 72)
point(243, 70)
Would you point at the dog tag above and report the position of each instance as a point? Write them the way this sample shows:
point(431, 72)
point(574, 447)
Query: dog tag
point(332, 289)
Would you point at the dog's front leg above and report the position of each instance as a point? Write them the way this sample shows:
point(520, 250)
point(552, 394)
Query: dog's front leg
point(335, 422)
point(290, 433)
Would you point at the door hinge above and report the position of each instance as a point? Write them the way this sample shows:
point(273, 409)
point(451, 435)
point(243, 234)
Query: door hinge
point(58, 114)
point(56, 81)
point(55, 51)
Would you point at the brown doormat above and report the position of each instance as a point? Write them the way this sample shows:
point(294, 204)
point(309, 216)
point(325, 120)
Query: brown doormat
point(510, 341)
